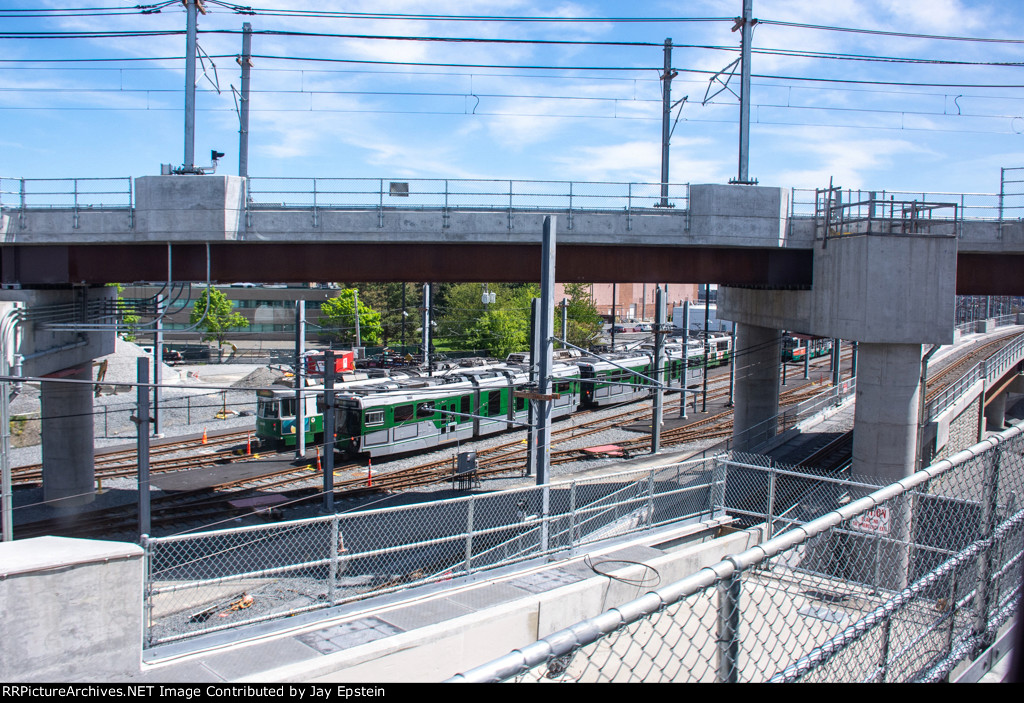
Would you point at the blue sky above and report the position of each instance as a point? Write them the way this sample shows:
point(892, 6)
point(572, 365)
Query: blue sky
point(592, 113)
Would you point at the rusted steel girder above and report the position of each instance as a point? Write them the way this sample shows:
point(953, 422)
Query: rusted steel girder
point(42, 265)
point(990, 274)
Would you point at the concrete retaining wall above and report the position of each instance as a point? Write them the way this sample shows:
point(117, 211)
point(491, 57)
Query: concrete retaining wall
point(72, 610)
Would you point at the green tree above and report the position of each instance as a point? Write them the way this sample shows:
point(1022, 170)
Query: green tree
point(458, 309)
point(386, 298)
point(216, 319)
point(129, 319)
point(338, 317)
point(505, 327)
point(584, 321)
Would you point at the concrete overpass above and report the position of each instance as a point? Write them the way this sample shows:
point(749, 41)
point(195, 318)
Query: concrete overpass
point(267, 230)
point(866, 267)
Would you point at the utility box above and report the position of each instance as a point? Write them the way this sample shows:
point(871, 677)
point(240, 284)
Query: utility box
point(465, 470)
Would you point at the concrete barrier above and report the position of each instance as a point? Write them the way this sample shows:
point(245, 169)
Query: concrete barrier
point(72, 610)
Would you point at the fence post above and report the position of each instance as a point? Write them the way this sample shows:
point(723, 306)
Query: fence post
point(650, 499)
point(983, 595)
point(470, 514)
point(331, 585)
point(629, 219)
point(75, 222)
point(572, 518)
point(770, 523)
point(570, 205)
point(147, 588)
point(316, 222)
point(717, 492)
point(883, 653)
point(728, 628)
point(21, 214)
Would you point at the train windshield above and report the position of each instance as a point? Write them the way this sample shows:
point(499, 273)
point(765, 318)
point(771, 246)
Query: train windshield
point(268, 408)
point(275, 408)
point(349, 420)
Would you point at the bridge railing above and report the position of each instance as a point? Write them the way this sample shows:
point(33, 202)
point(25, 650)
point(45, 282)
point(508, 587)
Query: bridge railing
point(989, 369)
point(975, 206)
point(455, 194)
point(67, 193)
point(901, 583)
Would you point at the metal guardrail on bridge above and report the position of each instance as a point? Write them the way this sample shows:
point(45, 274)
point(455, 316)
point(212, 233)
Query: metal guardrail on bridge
point(113, 193)
point(989, 369)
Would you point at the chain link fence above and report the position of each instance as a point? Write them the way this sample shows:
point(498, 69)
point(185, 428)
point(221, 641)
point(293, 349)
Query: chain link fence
point(200, 583)
point(904, 582)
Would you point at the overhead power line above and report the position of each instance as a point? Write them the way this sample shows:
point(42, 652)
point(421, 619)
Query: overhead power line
point(886, 33)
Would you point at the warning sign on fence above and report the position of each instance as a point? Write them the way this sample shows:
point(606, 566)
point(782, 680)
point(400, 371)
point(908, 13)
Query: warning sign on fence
point(875, 520)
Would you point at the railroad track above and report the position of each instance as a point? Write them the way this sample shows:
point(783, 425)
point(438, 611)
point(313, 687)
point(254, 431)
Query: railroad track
point(212, 504)
point(951, 373)
point(124, 462)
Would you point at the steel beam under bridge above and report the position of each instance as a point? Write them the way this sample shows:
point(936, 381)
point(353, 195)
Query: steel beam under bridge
point(272, 262)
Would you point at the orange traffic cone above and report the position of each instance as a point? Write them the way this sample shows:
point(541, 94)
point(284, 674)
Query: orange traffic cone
point(204, 435)
point(318, 469)
point(369, 473)
point(248, 443)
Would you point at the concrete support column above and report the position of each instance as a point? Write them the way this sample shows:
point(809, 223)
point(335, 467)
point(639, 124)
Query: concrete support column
point(67, 429)
point(886, 416)
point(995, 413)
point(757, 354)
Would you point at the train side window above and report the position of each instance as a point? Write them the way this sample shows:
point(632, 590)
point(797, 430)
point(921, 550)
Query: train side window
point(374, 417)
point(424, 411)
point(494, 403)
point(520, 404)
point(464, 408)
point(403, 413)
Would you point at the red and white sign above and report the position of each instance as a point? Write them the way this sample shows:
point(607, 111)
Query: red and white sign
point(875, 521)
point(343, 361)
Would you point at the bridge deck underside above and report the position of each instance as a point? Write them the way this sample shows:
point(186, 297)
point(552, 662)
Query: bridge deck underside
point(42, 265)
point(265, 262)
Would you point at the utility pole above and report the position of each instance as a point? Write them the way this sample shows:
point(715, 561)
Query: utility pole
point(666, 116)
point(300, 374)
point(158, 364)
point(191, 8)
point(732, 367)
point(142, 442)
point(243, 108)
point(659, 376)
point(747, 26)
point(531, 418)
point(614, 290)
point(426, 328)
point(329, 431)
point(565, 320)
point(686, 359)
point(404, 315)
point(355, 300)
point(707, 344)
point(544, 368)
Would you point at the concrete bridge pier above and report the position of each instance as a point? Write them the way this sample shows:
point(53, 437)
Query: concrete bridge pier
point(887, 412)
point(757, 354)
point(59, 335)
point(995, 413)
point(66, 410)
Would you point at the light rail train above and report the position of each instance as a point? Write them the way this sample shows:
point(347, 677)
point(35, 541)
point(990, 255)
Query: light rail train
point(407, 413)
